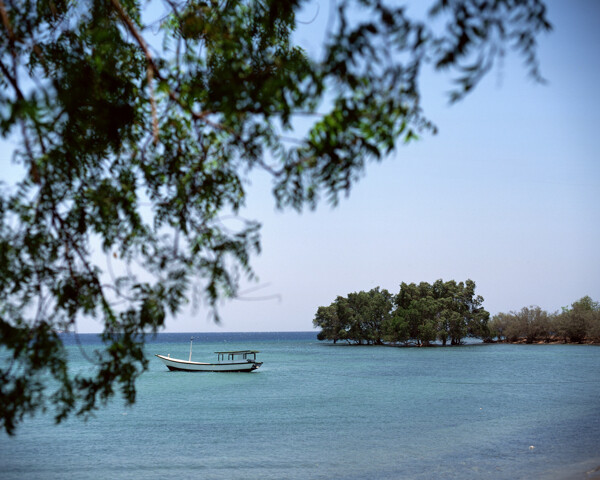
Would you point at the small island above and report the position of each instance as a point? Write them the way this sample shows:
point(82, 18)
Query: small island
point(445, 313)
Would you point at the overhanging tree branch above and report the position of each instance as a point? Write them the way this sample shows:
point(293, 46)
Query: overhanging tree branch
point(216, 106)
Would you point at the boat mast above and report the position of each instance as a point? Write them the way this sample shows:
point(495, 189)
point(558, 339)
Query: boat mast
point(191, 340)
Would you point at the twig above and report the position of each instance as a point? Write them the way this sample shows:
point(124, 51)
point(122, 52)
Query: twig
point(4, 15)
point(152, 105)
point(140, 40)
point(151, 70)
point(13, 81)
point(156, 72)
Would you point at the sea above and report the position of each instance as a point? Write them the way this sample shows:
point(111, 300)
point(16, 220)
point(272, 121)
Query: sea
point(316, 410)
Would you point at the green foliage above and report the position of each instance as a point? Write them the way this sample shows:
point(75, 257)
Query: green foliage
point(139, 150)
point(360, 317)
point(419, 313)
point(444, 311)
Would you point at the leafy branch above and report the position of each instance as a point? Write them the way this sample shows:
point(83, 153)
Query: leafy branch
point(142, 150)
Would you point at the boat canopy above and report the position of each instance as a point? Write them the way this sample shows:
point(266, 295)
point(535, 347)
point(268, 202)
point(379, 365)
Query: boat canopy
point(237, 353)
point(240, 352)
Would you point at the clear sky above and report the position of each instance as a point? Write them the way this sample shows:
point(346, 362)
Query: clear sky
point(507, 194)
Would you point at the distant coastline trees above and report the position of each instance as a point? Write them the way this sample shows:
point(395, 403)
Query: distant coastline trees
point(578, 323)
point(449, 312)
point(419, 314)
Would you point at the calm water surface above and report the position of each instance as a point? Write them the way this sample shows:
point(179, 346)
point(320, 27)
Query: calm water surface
point(322, 411)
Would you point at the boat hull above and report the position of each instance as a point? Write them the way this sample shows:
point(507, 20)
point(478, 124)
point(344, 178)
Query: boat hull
point(175, 364)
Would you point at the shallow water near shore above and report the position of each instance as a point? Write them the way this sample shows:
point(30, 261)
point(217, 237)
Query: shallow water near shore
point(321, 411)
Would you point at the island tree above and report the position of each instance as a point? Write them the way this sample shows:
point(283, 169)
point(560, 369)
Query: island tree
point(532, 323)
point(579, 322)
point(332, 321)
point(137, 125)
point(420, 313)
point(361, 317)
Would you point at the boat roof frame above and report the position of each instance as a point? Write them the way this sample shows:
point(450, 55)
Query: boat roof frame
point(239, 352)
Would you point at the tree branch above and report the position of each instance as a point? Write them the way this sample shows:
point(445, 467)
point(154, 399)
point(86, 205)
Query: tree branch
point(6, 22)
point(12, 80)
point(156, 72)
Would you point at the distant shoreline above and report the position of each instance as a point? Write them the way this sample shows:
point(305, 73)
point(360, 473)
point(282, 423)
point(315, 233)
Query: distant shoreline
point(549, 341)
point(520, 341)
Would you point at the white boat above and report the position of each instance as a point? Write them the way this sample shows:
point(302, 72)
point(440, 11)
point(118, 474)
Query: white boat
point(230, 361)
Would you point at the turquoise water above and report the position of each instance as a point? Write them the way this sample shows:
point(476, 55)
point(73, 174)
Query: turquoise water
point(322, 411)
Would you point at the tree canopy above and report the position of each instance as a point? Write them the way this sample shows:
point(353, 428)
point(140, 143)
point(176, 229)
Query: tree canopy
point(136, 134)
point(420, 314)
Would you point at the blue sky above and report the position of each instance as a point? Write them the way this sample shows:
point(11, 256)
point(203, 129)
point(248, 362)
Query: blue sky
point(507, 194)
